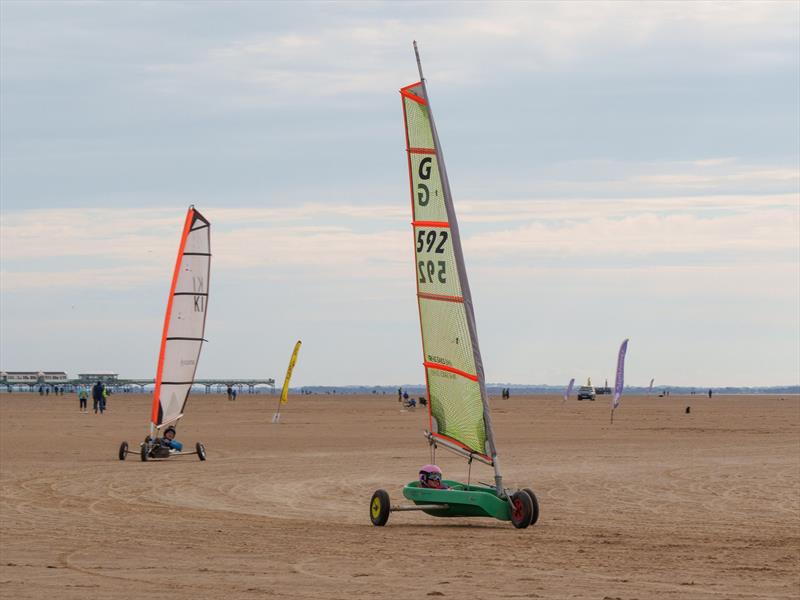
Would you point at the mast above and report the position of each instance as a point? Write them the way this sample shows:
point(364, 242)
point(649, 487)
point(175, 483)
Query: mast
point(462, 274)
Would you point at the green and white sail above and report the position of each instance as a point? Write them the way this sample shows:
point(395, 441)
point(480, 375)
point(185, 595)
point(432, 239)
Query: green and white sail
point(458, 403)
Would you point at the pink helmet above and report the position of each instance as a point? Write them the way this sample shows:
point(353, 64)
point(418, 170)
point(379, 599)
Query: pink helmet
point(430, 476)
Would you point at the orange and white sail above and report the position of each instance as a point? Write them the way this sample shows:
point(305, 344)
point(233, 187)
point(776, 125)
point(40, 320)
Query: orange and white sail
point(184, 323)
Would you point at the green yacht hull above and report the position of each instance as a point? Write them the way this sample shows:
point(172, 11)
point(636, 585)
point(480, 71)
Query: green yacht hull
point(462, 500)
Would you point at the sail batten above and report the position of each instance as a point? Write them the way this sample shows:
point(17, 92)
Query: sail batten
point(458, 403)
point(440, 297)
point(184, 323)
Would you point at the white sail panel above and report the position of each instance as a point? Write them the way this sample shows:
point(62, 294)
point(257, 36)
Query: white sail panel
point(184, 323)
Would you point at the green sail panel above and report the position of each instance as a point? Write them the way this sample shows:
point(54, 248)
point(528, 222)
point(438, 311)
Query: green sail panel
point(454, 375)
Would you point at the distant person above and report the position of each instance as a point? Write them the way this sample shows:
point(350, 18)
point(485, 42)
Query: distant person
point(235, 393)
point(399, 394)
point(230, 393)
point(97, 396)
point(106, 394)
point(41, 390)
point(710, 393)
point(405, 397)
point(83, 396)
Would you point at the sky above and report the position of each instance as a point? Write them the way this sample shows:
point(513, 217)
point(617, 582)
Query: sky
point(619, 170)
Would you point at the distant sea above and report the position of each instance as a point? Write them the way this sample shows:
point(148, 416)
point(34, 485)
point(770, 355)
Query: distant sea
point(520, 389)
point(495, 389)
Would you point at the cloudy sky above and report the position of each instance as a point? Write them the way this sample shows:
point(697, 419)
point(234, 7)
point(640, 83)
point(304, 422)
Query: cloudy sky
point(619, 170)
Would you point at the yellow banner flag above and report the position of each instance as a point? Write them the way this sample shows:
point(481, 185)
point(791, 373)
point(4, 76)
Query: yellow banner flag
point(285, 390)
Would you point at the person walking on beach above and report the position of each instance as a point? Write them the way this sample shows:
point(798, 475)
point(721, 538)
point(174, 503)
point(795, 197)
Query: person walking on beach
point(83, 396)
point(97, 396)
point(106, 394)
point(234, 392)
point(230, 393)
point(709, 393)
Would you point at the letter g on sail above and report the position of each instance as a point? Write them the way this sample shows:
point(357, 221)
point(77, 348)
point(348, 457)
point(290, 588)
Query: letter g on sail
point(424, 172)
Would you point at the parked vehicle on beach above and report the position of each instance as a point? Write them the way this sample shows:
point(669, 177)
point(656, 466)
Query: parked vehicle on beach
point(586, 392)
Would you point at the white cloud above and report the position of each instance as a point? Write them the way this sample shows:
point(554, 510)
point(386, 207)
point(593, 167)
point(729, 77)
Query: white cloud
point(130, 246)
point(363, 54)
point(740, 236)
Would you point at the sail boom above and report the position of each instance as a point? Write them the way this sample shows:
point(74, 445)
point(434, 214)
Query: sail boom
point(454, 446)
point(173, 420)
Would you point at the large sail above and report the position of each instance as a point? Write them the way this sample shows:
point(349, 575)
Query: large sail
point(458, 405)
point(184, 322)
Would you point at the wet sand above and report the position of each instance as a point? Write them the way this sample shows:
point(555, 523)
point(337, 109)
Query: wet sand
point(660, 504)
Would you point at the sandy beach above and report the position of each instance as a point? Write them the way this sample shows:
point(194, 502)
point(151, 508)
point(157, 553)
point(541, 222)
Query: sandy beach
point(660, 504)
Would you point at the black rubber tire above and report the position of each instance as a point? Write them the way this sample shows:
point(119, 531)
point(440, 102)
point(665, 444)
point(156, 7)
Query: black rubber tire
point(535, 503)
point(201, 451)
point(143, 452)
point(379, 508)
point(521, 509)
point(123, 450)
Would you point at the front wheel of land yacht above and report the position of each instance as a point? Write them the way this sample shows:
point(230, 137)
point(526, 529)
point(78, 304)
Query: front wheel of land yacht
point(535, 505)
point(521, 509)
point(143, 452)
point(201, 451)
point(123, 450)
point(379, 508)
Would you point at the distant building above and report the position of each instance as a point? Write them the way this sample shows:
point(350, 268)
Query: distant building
point(32, 377)
point(104, 376)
